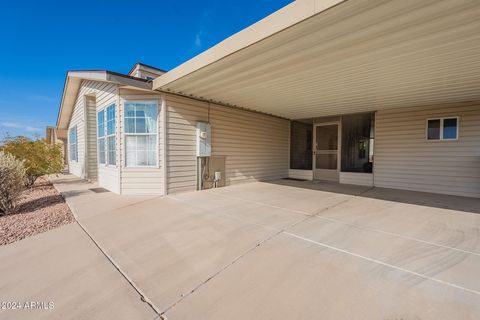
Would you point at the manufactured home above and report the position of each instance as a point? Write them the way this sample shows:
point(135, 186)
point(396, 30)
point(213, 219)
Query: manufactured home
point(376, 93)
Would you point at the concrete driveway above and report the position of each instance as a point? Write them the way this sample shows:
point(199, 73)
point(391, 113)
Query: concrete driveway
point(281, 250)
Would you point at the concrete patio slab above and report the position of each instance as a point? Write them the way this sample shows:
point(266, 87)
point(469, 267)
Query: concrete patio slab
point(289, 278)
point(169, 247)
point(443, 263)
point(87, 202)
point(270, 250)
point(450, 227)
point(64, 266)
point(241, 210)
point(284, 195)
point(286, 249)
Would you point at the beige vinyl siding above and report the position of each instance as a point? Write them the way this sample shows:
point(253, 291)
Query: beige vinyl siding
point(77, 168)
point(147, 180)
point(404, 159)
point(182, 116)
point(105, 94)
point(91, 141)
point(255, 146)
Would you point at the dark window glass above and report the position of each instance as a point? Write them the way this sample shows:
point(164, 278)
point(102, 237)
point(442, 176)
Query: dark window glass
point(301, 145)
point(450, 128)
point(357, 142)
point(327, 137)
point(433, 129)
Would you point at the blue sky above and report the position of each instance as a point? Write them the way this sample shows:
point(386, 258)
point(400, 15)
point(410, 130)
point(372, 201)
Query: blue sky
point(41, 40)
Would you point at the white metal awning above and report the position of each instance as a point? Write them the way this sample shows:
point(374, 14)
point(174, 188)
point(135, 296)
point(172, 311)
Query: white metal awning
point(317, 58)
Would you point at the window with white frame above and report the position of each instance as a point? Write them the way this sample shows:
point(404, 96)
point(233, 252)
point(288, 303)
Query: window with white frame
point(106, 124)
point(442, 128)
point(72, 143)
point(111, 141)
point(101, 136)
point(141, 147)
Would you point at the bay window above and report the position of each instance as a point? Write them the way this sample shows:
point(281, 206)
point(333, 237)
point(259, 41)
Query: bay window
point(141, 146)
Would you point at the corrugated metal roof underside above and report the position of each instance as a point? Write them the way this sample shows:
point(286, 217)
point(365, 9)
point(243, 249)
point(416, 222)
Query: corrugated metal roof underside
point(359, 56)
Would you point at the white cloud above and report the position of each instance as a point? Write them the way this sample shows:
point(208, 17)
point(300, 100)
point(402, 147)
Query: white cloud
point(198, 39)
point(42, 98)
point(11, 125)
point(15, 125)
point(32, 129)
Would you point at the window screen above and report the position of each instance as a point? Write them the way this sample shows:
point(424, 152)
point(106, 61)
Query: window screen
point(357, 142)
point(301, 145)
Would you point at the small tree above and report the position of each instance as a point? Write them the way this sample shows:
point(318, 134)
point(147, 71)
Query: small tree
point(12, 182)
point(40, 158)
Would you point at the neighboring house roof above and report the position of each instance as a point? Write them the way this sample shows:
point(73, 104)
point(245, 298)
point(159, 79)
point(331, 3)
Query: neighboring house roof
point(146, 67)
point(317, 58)
point(73, 82)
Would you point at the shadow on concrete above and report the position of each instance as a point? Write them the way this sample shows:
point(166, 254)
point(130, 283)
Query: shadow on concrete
point(70, 180)
point(38, 204)
point(465, 204)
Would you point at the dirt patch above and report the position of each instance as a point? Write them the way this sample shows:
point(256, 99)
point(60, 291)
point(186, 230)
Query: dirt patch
point(40, 209)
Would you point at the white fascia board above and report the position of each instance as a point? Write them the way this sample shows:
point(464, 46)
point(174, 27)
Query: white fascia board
point(88, 75)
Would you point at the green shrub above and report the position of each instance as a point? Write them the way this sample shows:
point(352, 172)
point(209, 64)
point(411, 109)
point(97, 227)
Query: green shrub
point(12, 182)
point(39, 157)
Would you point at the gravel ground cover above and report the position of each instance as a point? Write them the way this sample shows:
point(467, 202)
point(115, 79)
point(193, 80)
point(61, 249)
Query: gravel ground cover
point(40, 209)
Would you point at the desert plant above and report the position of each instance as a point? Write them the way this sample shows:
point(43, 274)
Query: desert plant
point(40, 158)
point(12, 182)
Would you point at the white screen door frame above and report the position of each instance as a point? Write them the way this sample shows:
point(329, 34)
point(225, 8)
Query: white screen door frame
point(326, 150)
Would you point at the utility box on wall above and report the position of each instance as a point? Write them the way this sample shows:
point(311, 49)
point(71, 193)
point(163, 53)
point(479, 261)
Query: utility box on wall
point(204, 139)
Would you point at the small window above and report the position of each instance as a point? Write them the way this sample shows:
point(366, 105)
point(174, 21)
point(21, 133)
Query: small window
point(450, 129)
point(72, 142)
point(141, 144)
point(442, 129)
point(433, 129)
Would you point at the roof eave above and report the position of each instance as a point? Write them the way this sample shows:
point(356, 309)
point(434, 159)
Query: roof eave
point(98, 75)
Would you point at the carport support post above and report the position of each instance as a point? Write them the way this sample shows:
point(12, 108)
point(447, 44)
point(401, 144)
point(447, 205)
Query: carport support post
point(199, 173)
point(163, 113)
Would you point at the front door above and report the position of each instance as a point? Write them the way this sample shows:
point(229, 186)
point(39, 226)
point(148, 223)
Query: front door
point(326, 156)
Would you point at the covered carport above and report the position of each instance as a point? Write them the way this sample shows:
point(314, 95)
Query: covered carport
point(318, 58)
point(402, 62)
